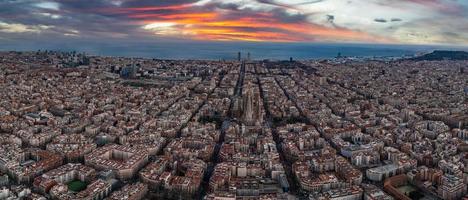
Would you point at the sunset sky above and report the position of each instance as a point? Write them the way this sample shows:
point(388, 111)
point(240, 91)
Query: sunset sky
point(335, 21)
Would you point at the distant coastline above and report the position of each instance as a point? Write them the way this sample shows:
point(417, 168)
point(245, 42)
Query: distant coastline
point(229, 50)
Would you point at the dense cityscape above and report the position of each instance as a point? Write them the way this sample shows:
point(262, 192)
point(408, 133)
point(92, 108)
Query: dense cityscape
point(74, 126)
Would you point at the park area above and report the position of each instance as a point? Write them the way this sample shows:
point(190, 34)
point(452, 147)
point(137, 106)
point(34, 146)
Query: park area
point(76, 186)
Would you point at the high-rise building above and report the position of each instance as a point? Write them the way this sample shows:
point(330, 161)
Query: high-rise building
point(239, 56)
point(129, 71)
point(452, 187)
point(248, 56)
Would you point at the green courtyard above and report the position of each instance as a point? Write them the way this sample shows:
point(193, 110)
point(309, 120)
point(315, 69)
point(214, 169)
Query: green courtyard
point(76, 186)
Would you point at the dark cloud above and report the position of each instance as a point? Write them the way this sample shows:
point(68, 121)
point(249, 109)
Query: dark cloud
point(274, 3)
point(380, 20)
point(225, 6)
point(287, 6)
point(144, 3)
point(310, 2)
point(331, 19)
point(83, 5)
point(13, 9)
point(83, 18)
point(236, 11)
point(286, 17)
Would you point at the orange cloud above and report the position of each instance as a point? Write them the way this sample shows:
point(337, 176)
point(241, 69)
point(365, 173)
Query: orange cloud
point(187, 20)
point(227, 33)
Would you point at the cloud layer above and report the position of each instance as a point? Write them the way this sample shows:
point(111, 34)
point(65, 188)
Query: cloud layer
point(368, 21)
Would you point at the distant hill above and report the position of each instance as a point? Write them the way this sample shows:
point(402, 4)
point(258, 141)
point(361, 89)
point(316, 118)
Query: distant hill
point(442, 55)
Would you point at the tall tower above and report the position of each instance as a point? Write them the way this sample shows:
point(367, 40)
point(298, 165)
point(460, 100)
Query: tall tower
point(239, 56)
point(248, 56)
point(248, 106)
point(252, 111)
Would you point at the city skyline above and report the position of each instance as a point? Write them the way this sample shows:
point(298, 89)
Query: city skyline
point(432, 22)
point(74, 126)
point(234, 99)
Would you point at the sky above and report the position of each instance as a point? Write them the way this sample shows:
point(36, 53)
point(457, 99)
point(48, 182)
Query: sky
point(74, 22)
